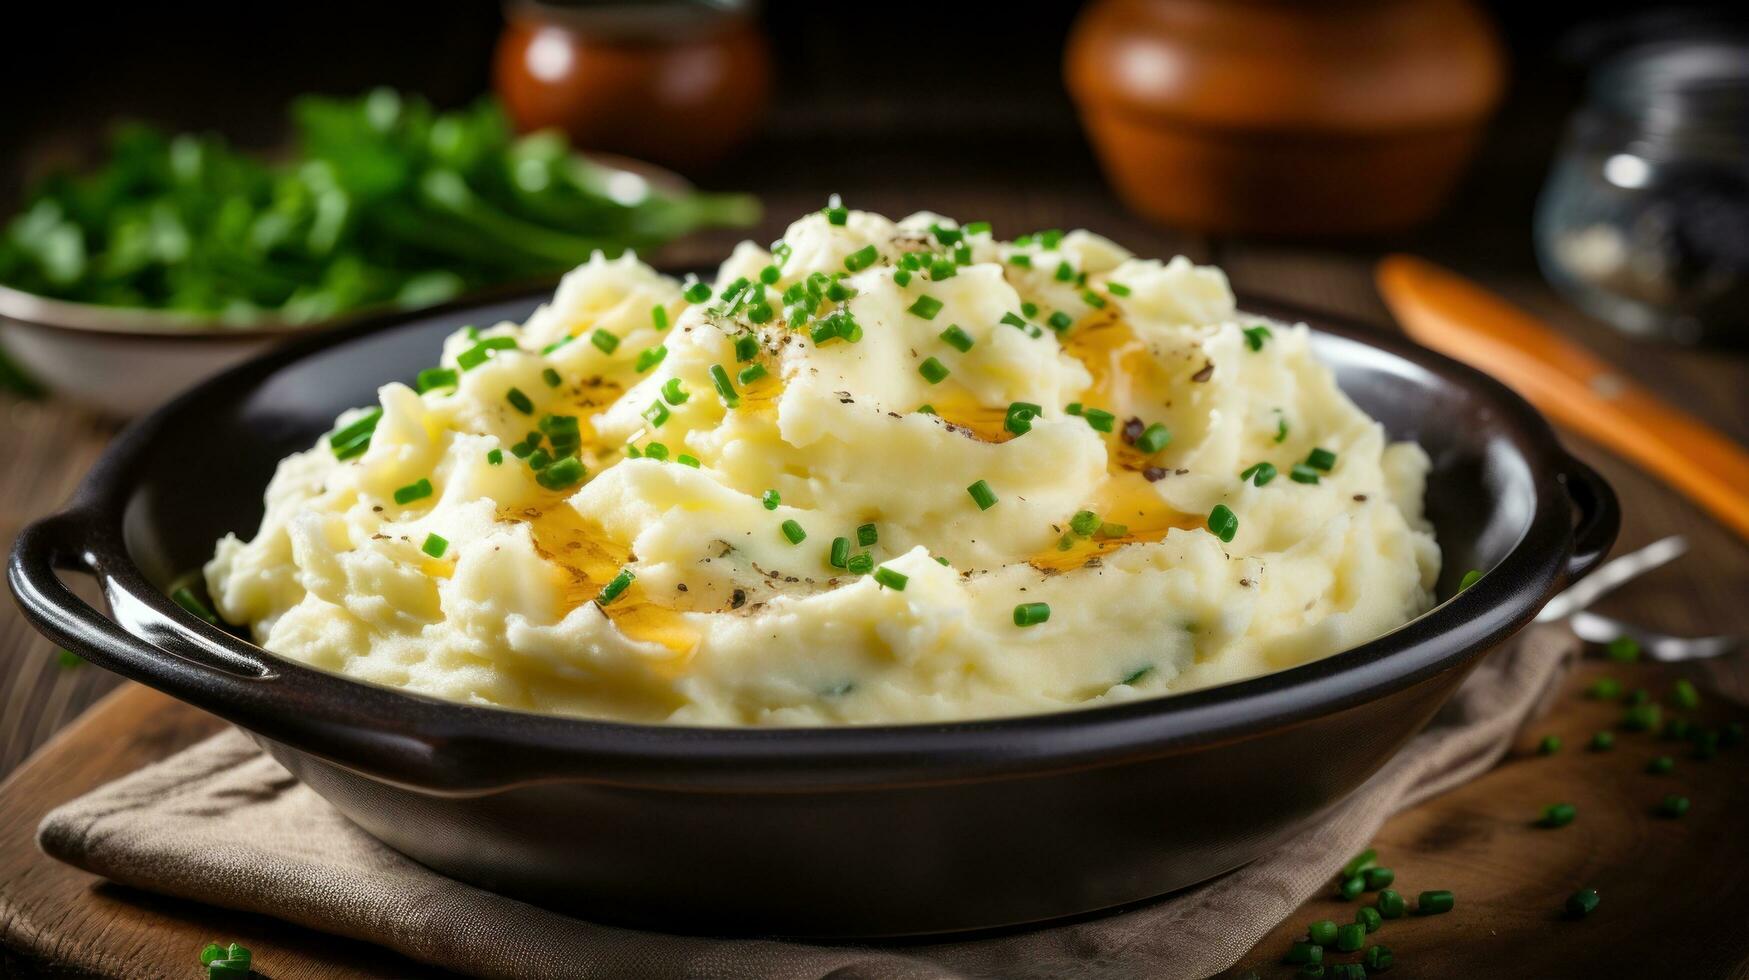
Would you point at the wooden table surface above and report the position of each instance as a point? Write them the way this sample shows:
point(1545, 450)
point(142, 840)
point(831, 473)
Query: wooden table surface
point(1674, 890)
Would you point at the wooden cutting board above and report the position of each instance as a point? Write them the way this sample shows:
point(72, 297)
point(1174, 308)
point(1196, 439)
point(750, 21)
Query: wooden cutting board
point(1674, 891)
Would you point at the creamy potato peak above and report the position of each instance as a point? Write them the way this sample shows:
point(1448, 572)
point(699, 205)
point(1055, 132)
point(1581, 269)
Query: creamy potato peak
point(880, 472)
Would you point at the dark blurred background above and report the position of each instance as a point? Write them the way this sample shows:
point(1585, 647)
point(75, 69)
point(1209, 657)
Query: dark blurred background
point(904, 106)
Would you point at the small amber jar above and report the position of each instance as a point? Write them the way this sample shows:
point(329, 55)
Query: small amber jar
point(671, 81)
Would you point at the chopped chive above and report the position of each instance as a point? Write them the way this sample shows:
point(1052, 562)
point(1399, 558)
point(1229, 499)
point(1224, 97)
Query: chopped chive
point(793, 531)
point(926, 409)
point(750, 373)
point(656, 451)
point(659, 316)
point(1582, 903)
point(1060, 321)
point(933, 371)
point(891, 579)
point(1109, 530)
point(674, 391)
point(435, 545)
point(1020, 416)
point(1073, 408)
point(1369, 917)
point(770, 275)
point(1301, 473)
point(551, 377)
point(838, 292)
point(1549, 745)
point(771, 499)
point(836, 212)
point(477, 355)
point(1013, 320)
point(1154, 438)
point(957, 339)
point(1603, 741)
point(867, 535)
point(697, 292)
point(902, 277)
point(435, 378)
point(982, 495)
point(495, 457)
point(1137, 675)
point(1255, 336)
point(1304, 952)
point(561, 474)
point(186, 598)
point(1368, 858)
point(1623, 650)
point(1032, 614)
point(1470, 578)
point(1351, 937)
point(1661, 765)
point(1093, 299)
point(976, 228)
point(1642, 717)
point(607, 342)
point(649, 357)
point(1084, 523)
point(1436, 902)
point(1029, 310)
point(1258, 474)
point(1117, 289)
point(687, 460)
point(925, 306)
point(418, 490)
point(1100, 419)
point(1020, 259)
point(355, 438)
point(1557, 815)
point(1223, 522)
point(725, 387)
point(614, 589)
point(1322, 932)
point(555, 345)
point(861, 259)
point(1321, 459)
point(1391, 904)
point(519, 401)
point(1065, 272)
point(1684, 694)
point(1378, 878)
point(656, 414)
point(942, 269)
point(860, 564)
point(746, 347)
point(943, 562)
point(1350, 888)
point(840, 556)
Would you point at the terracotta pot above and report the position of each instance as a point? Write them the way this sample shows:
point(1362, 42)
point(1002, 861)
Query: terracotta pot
point(1284, 117)
point(676, 83)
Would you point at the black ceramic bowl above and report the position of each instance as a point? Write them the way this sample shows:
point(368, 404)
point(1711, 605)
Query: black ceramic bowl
point(853, 831)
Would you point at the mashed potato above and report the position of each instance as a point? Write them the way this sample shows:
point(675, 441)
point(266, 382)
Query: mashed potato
point(880, 473)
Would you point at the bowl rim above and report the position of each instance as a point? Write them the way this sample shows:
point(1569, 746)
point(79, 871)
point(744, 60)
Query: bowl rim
point(442, 746)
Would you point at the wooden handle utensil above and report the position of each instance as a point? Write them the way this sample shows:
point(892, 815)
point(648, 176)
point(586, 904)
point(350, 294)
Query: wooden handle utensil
point(1568, 383)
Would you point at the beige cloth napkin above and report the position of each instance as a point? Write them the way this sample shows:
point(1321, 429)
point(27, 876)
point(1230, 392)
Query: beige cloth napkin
point(225, 824)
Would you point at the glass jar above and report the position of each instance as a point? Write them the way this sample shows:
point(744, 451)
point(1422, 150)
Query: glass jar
point(1644, 221)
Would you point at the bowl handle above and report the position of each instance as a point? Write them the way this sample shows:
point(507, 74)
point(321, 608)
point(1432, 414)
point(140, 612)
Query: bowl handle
point(1599, 517)
point(61, 542)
